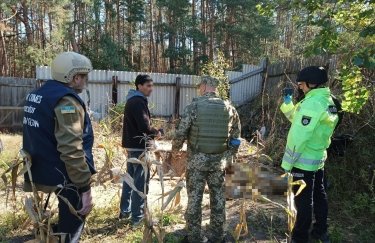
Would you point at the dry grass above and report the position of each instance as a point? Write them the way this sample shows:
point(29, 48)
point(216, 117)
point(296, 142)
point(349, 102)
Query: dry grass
point(12, 145)
point(350, 203)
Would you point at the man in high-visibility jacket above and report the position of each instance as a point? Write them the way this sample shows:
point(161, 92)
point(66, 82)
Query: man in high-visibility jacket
point(313, 120)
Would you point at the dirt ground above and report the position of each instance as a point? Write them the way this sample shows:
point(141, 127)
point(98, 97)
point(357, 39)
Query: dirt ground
point(260, 216)
point(266, 222)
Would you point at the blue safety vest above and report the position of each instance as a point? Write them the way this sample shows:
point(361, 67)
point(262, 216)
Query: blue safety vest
point(39, 134)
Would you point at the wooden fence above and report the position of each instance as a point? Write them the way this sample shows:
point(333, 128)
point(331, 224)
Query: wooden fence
point(12, 95)
point(172, 92)
point(284, 73)
point(247, 85)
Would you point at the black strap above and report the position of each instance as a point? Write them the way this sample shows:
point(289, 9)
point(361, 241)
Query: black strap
point(340, 112)
point(47, 201)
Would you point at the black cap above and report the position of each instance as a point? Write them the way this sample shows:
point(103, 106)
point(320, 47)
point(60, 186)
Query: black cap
point(313, 75)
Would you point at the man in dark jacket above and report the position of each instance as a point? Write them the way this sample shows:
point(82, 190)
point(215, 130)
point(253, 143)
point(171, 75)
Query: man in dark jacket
point(137, 125)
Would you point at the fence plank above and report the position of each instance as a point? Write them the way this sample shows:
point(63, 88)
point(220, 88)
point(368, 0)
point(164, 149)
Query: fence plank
point(12, 95)
point(244, 85)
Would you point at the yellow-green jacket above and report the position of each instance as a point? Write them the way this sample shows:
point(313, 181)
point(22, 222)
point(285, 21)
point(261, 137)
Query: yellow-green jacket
point(313, 122)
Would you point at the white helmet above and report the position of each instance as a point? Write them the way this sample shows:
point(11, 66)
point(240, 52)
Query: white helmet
point(67, 64)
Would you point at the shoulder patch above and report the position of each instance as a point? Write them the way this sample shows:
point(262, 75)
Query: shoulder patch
point(68, 109)
point(306, 120)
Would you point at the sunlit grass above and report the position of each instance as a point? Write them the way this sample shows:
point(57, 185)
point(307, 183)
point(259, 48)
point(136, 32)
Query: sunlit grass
point(12, 144)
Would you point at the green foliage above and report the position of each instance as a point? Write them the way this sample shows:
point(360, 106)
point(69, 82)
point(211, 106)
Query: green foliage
point(217, 70)
point(240, 20)
point(12, 144)
point(108, 55)
point(170, 238)
point(362, 203)
point(355, 94)
point(343, 28)
point(336, 234)
point(170, 219)
point(115, 118)
point(136, 9)
point(117, 110)
point(176, 27)
point(10, 221)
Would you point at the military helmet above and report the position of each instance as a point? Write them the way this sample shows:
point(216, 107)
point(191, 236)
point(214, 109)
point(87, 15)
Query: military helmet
point(313, 75)
point(210, 81)
point(68, 64)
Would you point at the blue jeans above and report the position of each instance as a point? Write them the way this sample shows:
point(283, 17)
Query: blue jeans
point(130, 200)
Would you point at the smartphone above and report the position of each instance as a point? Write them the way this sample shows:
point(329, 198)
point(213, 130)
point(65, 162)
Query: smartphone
point(288, 91)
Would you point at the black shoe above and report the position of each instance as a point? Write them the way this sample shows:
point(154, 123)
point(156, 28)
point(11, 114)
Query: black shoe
point(324, 238)
point(124, 216)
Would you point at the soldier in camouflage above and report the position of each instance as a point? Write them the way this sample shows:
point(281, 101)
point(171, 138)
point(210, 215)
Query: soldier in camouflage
point(209, 124)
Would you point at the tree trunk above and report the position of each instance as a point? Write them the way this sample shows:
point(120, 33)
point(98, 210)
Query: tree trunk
point(50, 25)
point(203, 20)
point(130, 39)
point(118, 22)
point(164, 65)
point(41, 27)
point(152, 47)
point(172, 40)
point(72, 30)
point(211, 43)
point(4, 70)
point(140, 47)
point(157, 68)
point(195, 46)
point(25, 20)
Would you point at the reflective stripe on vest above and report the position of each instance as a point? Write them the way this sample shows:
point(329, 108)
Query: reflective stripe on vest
point(304, 161)
point(293, 153)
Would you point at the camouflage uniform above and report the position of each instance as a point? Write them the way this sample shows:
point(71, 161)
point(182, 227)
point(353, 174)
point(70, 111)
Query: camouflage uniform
point(202, 168)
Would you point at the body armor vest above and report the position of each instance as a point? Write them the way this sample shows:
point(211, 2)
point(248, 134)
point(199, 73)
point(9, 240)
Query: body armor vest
point(209, 132)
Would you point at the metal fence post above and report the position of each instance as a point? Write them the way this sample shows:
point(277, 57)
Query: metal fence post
point(114, 90)
point(264, 64)
point(177, 98)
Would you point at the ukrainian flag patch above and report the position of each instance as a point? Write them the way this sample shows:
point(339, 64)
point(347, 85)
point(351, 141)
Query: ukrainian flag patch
point(68, 110)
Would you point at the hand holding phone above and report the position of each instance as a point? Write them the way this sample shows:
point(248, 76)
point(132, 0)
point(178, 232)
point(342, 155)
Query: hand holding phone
point(288, 91)
point(288, 95)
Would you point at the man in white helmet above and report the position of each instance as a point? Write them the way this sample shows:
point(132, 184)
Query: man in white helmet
point(58, 135)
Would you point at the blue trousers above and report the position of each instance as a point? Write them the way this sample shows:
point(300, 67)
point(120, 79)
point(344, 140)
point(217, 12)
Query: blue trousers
point(312, 199)
point(131, 202)
point(68, 222)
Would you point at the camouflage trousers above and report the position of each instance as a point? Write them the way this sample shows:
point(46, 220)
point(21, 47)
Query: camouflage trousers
point(196, 181)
